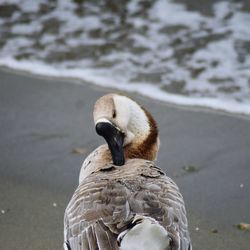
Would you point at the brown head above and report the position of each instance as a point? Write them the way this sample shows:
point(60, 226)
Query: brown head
point(130, 130)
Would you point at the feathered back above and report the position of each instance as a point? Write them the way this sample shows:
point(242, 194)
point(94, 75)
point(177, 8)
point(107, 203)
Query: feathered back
point(105, 203)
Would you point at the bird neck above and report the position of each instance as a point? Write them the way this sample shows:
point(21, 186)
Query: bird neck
point(146, 146)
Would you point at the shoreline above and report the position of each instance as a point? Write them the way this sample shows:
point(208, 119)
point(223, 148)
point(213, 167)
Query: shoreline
point(78, 81)
point(43, 120)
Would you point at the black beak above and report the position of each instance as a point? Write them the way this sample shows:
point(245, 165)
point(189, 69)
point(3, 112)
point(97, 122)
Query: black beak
point(114, 138)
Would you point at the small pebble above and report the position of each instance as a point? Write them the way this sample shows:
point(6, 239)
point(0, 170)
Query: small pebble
point(190, 168)
point(214, 231)
point(54, 204)
point(2, 211)
point(197, 229)
point(241, 185)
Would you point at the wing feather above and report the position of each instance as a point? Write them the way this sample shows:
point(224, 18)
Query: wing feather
point(105, 203)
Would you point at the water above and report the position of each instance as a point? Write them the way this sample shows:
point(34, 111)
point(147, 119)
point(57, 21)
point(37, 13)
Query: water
point(183, 52)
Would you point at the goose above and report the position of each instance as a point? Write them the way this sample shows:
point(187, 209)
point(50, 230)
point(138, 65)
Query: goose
point(124, 200)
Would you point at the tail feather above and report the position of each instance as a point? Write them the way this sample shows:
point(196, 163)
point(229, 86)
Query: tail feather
point(145, 234)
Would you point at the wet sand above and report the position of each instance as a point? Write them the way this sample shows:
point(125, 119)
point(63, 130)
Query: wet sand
point(42, 121)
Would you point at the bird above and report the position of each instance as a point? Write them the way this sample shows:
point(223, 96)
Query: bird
point(124, 200)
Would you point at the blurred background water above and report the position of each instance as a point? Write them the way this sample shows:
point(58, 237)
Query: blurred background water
point(185, 52)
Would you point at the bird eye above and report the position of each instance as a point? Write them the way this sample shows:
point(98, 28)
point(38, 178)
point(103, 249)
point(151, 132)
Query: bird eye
point(114, 114)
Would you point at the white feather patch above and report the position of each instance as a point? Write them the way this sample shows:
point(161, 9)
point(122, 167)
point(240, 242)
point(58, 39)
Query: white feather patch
point(132, 119)
point(147, 235)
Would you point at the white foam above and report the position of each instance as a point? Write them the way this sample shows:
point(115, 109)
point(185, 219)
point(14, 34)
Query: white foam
point(47, 38)
point(149, 90)
point(91, 22)
point(161, 52)
point(25, 29)
point(172, 13)
point(14, 45)
point(10, 1)
point(31, 5)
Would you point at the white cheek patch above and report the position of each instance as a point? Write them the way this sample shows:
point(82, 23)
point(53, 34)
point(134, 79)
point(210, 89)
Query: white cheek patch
point(103, 120)
point(131, 119)
point(123, 115)
point(139, 124)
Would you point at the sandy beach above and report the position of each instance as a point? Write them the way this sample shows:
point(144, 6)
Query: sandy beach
point(43, 120)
